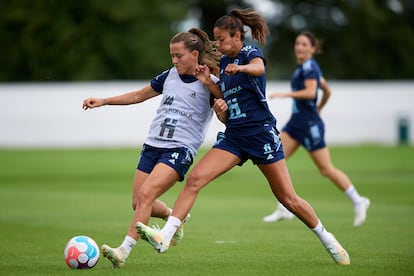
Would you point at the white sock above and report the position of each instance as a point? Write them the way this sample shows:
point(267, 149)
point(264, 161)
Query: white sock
point(169, 214)
point(127, 245)
point(170, 228)
point(353, 195)
point(324, 236)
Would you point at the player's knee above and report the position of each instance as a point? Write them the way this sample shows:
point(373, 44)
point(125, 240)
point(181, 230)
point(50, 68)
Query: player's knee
point(144, 198)
point(195, 180)
point(326, 171)
point(291, 203)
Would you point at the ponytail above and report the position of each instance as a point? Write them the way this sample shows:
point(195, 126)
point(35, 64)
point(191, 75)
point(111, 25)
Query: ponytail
point(235, 20)
point(211, 56)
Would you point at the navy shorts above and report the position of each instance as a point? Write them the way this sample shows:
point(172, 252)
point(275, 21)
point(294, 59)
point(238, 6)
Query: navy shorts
point(311, 136)
point(262, 148)
point(180, 159)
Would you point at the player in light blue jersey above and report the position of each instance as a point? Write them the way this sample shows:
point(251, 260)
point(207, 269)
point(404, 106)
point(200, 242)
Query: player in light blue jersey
point(176, 133)
point(305, 126)
point(250, 134)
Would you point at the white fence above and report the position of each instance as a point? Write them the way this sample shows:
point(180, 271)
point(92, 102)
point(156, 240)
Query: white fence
point(50, 114)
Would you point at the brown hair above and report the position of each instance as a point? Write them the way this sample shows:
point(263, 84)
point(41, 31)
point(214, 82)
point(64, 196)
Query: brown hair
point(315, 42)
point(236, 19)
point(197, 39)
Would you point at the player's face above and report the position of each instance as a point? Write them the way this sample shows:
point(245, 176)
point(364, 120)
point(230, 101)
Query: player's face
point(227, 44)
point(184, 61)
point(303, 49)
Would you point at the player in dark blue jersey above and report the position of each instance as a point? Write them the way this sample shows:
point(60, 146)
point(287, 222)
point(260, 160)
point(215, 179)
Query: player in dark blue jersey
point(305, 126)
point(250, 134)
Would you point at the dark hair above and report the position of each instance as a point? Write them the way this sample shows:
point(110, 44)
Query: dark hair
point(196, 39)
point(315, 42)
point(235, 20)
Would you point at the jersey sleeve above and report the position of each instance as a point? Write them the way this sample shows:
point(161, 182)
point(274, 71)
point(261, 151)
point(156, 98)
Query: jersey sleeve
point(214, 78)
point(254, 52)
point(157, 83)
point(310, 71)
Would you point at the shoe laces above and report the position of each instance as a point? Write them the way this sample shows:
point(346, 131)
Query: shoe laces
point(156, 227)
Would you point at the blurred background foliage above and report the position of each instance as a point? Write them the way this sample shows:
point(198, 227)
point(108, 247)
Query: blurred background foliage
point(64, 40)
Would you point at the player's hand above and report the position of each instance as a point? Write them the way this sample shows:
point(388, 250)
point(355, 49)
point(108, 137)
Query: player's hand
point(202, 73)
point(220, 106)
point(277, 95)
point(92, 103)
point(318, 109)
point(231, 69)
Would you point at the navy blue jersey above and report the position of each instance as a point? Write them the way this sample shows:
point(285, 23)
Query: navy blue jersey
point(304, 111)
point(245, 96)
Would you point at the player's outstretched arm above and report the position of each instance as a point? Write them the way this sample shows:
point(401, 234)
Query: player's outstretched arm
point(123, 99)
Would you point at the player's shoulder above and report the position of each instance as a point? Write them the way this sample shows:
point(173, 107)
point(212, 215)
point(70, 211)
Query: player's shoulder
point(251, 50)
point(214, 78)
point(157, 83)
point(163, 75)
point(310, 64)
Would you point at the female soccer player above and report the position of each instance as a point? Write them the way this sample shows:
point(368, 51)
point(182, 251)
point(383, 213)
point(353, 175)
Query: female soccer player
point(176, 132)
point(250, 134)
point(305, 127)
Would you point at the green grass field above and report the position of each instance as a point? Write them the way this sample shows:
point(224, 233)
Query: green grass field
point(48, 196)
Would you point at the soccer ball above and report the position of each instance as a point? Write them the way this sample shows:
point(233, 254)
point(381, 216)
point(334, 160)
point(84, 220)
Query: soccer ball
point(81, 252)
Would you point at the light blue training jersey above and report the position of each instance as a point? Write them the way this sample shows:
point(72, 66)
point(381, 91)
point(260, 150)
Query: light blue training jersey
point(184, 113)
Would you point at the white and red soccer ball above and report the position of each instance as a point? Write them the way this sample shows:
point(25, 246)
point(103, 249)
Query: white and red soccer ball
point(81, 252)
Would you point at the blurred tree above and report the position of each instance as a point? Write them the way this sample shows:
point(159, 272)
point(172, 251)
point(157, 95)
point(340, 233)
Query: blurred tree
point(86, 40)
point(128, 39)
point(208, 12)
point(367, 39)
